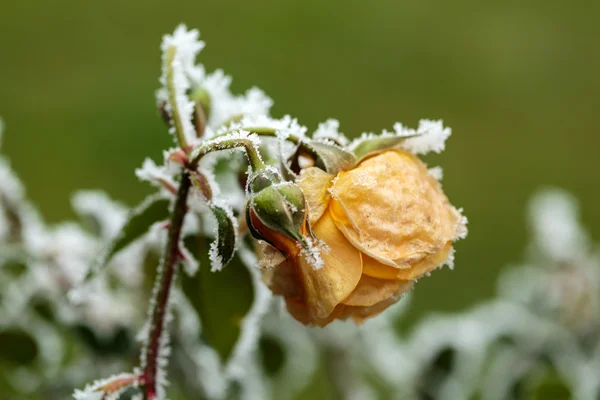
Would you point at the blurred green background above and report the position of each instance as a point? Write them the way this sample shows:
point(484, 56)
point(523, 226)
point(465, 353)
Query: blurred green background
point(517, 81)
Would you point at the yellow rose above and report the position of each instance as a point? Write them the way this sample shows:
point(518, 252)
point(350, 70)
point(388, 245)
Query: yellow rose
point(384, 223)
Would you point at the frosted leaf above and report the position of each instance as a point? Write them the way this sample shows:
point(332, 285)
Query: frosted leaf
point(109, 214)
point(286, 126)
point(330, 130)
point(254, 102)
point(431, 136)
point(554, 219)
point(107, 389)
point(187, 43)
point(161, 177)
point(187, 47)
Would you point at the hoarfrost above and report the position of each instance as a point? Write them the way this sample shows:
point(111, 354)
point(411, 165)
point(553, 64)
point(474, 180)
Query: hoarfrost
point(431, 136)
point(330, 130)
point(109, 214)
point(187, 47)
point(437, 173)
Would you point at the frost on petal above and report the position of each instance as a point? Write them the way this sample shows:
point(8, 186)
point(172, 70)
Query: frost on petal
point(430, 136)
point(437, 173)
point(554, 220)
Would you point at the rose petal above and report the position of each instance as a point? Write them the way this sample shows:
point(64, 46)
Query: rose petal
point(315, 184)
point(375, 269)
point(359, 314)
point(371, 291)
point(393, 210)
point(326, 287)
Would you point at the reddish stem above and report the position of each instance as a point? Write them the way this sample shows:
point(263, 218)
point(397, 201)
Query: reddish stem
point(164, 282)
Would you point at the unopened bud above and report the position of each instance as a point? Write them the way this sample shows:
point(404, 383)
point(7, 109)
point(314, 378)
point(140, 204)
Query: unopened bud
point(277, 214)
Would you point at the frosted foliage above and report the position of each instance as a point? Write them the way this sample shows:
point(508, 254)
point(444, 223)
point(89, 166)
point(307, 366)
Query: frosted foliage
point(431, 136)
point(284, 126)
point(109, 214)
point(187, 47)
point(106, 389)
point(554, 218)
point(330, 130)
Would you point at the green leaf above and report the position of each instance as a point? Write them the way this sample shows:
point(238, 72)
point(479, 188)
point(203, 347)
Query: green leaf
point(223, 248)
point(376, 144)
point(17, 347)
point(153, 209)
point(221, 299)
point(330, 157)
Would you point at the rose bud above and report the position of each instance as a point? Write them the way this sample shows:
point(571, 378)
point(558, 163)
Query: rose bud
point(385, 223)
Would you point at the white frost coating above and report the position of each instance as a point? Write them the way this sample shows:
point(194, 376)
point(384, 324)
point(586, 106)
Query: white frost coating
point(554, 219)
point(462, 231)
point(429, 136)
point(94, 391)
point(437, 173)
point(312, 252)
point(216, 261)
point(187, 47)
point(159, 176)
point(110, 214)
point(285, 125)
point(330, 130)
point(450, 259)
point(432, 136)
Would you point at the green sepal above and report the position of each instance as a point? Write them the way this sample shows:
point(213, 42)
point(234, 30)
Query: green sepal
point(330, 157)
point(377, 144)
point(282, 208)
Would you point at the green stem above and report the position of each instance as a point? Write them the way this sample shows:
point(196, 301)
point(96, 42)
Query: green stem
point(265, 131)
point(252, 153)
point(172, 95)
